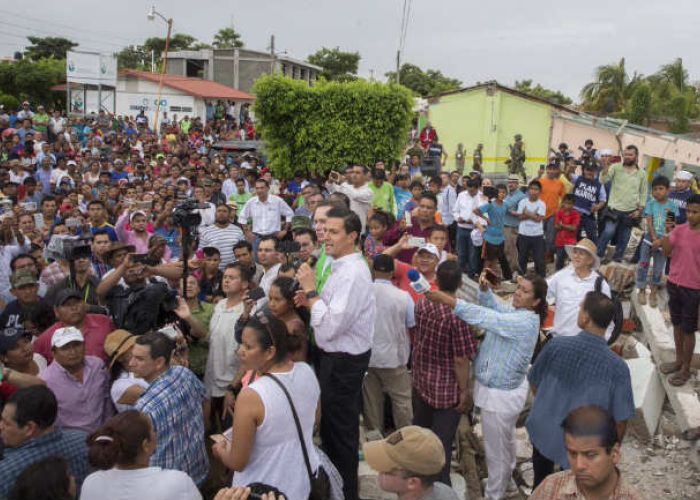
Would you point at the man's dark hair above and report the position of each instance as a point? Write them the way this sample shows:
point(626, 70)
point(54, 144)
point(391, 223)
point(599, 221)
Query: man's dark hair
point(29, 180)
point(430, 196)
point(46, 198)
point(415, 184)
point(243, 244)
point(634, 148)
point(535, 183)
point(379, 174)
point(501, 187)
point(435, 180)
point(592, 421)
point(403, 177)
point(241, 179)
point(351, 222)
point(305, 230)
point(588, 141)
point(472, 183)
point(260, 179)
point(437, 228)
point(210, 251)
point(569, 197)
point(99, 231)
point(599, 307)
point(21, 256)
point(364, 169)
point(661, 180)
point(161, 346)
point(35, 404)
point(338, 197)
point(449, 276)
point(694, 199)
point(245, 272)
point(96, 202)
point(271, 238)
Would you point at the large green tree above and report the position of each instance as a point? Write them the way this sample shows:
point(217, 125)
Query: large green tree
point(424, 83)
point(538, 90)
point(331, 124)
point(337, 64)
point(611, 88)
point(32, 80)
point(134, 57)
point(227, 38)
point(49, 46)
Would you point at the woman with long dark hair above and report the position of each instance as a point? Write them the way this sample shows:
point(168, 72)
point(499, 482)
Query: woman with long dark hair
point(500, 367)
point(47, 479)
point(121, 449)
point(296, 319)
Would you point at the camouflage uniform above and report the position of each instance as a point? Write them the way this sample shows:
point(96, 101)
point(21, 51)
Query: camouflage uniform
point(516, 163)
point(478, 159)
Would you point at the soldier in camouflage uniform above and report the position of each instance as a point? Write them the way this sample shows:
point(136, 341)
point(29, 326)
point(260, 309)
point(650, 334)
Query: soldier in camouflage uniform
point(516, 163)
point(459, 158)
point(478, 158)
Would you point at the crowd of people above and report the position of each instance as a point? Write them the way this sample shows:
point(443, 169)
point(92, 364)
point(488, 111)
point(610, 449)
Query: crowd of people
point(179, 323)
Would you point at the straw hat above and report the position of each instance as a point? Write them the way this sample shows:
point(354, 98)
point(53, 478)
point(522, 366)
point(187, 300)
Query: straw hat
point(587, 246)
point(117, 343)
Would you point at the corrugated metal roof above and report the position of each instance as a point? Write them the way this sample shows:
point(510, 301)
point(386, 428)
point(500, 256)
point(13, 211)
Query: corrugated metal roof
point(197, 87)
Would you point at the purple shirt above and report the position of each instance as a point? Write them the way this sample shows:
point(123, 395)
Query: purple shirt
point(394, 234)
point(81, 405)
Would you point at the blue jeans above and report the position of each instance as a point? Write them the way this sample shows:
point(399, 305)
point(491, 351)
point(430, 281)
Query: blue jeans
point(645, 257)
point(618, 230)
point(590, 226)
point(466, 251)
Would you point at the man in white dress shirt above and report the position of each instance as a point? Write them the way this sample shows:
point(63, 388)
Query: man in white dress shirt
point(357, 190)
point(343, 318)
point(265, 211)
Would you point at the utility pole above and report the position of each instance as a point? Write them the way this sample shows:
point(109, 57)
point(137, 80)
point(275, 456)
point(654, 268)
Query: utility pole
point(398, 66)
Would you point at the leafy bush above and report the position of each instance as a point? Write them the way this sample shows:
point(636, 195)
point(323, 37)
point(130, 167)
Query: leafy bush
point(330, 125)
point(9, 102)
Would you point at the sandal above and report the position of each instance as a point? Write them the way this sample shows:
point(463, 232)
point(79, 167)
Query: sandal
point(678, 379)
point(667, 368)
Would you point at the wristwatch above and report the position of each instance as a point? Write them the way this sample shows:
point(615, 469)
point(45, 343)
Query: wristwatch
point(312, 294)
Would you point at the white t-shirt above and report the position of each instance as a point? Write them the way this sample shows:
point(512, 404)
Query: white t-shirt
point(120, 386)
point(152, 483)
point(529, 227)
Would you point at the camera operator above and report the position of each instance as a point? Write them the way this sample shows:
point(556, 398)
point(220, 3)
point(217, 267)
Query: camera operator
point(137, 300)
point(81, 278)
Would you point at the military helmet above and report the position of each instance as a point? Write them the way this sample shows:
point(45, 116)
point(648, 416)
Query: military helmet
point(518, 137)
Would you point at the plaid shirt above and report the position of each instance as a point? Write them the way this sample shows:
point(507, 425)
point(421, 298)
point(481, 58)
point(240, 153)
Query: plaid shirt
point(562, 486)
point(174, 404)
point(438, 338)
point(68, 444)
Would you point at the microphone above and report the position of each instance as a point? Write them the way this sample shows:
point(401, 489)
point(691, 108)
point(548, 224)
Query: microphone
point(419, 284)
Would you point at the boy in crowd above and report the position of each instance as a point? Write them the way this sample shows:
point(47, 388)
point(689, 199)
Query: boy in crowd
point(531, 212)
point(657, 212)
point(566, 222)
point(552, 192)
point(682, 193)
point(682, 244)
point(589, 198)
point(494, 238)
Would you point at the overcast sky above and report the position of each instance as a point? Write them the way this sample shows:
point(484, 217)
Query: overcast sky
point(555, 43)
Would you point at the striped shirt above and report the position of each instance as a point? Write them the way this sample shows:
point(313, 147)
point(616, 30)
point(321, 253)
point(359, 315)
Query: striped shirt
point(511, 336)
point(174, 404)
point(223, 239)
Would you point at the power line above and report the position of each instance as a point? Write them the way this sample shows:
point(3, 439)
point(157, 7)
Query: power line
point(43, 32)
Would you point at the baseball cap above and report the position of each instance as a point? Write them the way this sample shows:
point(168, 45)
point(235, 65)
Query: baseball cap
point(71, 162)
point(23, 277)
point(65, 294)
point(383, 263)
point(9, 338)
point(64, 336)
point(412, 448)
point(300, 222)
point(430, 248)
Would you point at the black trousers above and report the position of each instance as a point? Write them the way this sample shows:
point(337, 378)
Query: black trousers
point(340, 377)
point(443, 422)
point(541, 466)
point(534, 245)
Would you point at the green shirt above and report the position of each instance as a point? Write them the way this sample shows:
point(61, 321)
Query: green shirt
point(199, 348)
point(185, 126)
point(40, 122)
point(628, 191)
point(240, 199)
point(383, 197)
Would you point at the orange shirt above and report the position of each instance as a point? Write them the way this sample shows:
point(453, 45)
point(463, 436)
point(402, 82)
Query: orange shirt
point(552, 192)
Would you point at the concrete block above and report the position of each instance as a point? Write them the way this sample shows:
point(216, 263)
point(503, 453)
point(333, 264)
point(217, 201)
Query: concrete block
point(649, 396)
point(685, 404)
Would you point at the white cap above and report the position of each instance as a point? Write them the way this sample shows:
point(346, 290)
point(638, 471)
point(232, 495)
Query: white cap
point(683, 175)
point(430, 248)
point(63, 336)
point(135, 213)
point(605, 152)
point(71, 162)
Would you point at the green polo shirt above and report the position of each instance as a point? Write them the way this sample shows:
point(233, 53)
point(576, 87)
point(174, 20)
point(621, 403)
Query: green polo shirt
point(383, 197)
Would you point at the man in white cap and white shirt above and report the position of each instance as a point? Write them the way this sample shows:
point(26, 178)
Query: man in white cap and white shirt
point(681, 193)
point(80, 383)
point(568, 287)
point(408, 462)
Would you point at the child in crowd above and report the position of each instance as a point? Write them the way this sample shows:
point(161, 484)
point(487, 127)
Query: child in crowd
point(402, 194)
point(494, 239)
point(438, 236)
point(566, 222)
point(552, 192)
point(209, 275)
point(531, 212)
point(416, 190)
point(657, 212)
point(378, 225)
point(682, 193)
point(683, 246)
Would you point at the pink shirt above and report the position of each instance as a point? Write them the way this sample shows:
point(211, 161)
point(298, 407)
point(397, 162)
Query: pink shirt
point(95, 328)
point(685, 257)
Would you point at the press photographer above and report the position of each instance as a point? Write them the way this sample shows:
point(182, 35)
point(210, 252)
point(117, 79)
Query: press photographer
point(78, 254)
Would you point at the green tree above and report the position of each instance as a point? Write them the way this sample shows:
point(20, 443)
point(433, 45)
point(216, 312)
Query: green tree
point(610, 89)
point(134, 57)
point(424, 83)
point(337, 64)
point(538, 90)
point(639, 106)
point(227, 38)
point(331, 124)
point(49, 46)
point(32, 80)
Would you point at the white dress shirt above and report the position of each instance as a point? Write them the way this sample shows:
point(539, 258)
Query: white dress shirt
point(360, 198)
point(266, 216)
point(343, 318)
point(566, 290)
point(464, 209)
point(447, 199)
point(395, 315)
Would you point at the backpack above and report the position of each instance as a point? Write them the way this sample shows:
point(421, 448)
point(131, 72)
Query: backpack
point(619, 315)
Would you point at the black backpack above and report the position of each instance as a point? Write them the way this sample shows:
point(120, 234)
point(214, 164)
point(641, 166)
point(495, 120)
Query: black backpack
point(619, 316)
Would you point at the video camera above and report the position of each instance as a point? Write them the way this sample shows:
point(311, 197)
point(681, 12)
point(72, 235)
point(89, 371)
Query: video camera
point(77, 248)
point(185, 215)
